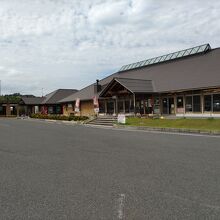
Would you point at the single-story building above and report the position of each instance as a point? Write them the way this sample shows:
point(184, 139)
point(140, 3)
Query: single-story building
point(9, 105)
point(30, 105)
point(183, 83)
point(48, 104)
point(8, 109)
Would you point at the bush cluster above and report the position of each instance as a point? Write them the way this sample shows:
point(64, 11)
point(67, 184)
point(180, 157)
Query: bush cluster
point(60, 117)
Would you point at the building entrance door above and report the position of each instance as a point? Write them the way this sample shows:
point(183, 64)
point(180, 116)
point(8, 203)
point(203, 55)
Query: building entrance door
point(171, 105)
point(110, 107)
point(168, 105)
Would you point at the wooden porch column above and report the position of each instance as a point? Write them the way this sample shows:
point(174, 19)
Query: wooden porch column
point(184, 104)
point(105, 102)
point(175, 104)
point(134, 105)
point(18, 110)
point(202, 102)
point(116, 105)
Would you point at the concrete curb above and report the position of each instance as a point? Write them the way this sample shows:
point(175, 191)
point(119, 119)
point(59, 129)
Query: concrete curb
point(55, 121)
point(173, 130)
point(143, 128)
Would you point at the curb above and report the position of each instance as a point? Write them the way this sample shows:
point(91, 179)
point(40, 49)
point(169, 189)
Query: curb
point(173, 130)
point(55, 121)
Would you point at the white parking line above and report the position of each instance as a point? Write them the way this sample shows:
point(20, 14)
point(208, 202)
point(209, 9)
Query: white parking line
point(121, 204)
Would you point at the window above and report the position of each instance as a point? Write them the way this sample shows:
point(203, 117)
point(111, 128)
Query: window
point(193, 103)
point(50, 110)
point(188, 103)
point(216, 103)
point(196, 103)
point(58, 110)
point(207, 103)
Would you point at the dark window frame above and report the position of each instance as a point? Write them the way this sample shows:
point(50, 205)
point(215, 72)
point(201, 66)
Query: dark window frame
point(193, 105)
point(204, 103)
point(217, 103)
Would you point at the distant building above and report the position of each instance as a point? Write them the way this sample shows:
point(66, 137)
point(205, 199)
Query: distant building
point(8, 109)
point(8, 105)
point(46, 105)
point(184, 83)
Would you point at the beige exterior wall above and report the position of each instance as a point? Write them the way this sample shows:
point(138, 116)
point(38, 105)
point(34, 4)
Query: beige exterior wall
point(67, 110)
point(87, 108)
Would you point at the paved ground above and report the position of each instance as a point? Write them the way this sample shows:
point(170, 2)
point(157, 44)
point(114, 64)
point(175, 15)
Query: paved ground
point(54, 171)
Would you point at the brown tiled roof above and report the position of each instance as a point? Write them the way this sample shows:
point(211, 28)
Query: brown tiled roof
point(52, 98)
point(32, 100)
point(188, 73)
point(57, 95)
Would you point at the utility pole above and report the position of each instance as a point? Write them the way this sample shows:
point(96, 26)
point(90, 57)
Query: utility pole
point(0, 88)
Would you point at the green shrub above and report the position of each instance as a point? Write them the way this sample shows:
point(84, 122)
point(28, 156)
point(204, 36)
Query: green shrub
point(60, 117)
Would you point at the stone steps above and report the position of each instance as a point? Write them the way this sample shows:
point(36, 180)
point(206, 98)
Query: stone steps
point(104, 120)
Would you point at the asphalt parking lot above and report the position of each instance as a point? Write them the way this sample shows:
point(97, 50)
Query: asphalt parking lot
point(58, 171)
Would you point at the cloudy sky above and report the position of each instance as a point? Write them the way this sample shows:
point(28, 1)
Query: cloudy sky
point(54, 44)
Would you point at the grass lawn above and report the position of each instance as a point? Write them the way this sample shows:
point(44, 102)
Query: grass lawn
point(196, 124)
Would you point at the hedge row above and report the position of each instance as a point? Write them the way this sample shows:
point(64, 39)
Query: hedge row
point(60, 117)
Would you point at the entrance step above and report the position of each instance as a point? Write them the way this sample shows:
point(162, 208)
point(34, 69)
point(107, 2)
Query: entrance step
point(104, 120)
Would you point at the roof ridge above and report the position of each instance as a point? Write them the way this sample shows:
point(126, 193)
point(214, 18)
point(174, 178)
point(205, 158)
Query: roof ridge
point(132, 78)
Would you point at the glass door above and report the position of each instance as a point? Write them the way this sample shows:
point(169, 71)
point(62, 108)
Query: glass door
point(165, 106)
point(171, 105)
point(110, 107)
point(168, 105)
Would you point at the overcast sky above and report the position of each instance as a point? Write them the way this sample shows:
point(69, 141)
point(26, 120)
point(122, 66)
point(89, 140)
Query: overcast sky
point(53, 44)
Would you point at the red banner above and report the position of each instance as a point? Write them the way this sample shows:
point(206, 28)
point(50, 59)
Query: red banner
point(77, 105)
point(96, 104)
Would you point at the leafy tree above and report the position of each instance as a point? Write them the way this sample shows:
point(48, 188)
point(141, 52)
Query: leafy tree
point(11, 98)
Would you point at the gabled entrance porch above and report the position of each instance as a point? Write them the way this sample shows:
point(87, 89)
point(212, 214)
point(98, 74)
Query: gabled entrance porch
point(127, 96)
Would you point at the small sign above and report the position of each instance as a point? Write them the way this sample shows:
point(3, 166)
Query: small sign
point(180, 110)
point(96, 110)
point(121, 119)
point(77, 109)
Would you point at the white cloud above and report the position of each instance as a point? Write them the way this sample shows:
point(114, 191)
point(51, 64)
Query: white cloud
point(69, 43)
point(108, 13)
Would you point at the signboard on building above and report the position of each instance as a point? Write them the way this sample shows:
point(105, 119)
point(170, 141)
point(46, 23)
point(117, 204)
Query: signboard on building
point(36, 109)
point(77, 105)
point(121, 119)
